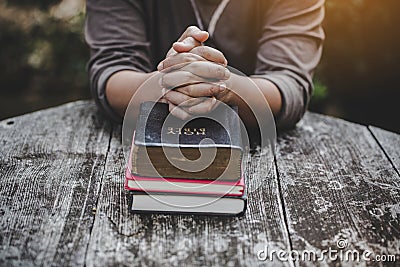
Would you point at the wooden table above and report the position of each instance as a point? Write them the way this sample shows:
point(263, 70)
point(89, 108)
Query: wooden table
point(62, 200)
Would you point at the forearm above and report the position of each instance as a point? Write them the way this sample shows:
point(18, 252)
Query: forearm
point(251, 100)
point(122, 85)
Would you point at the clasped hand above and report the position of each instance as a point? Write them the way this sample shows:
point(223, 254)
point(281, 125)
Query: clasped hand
point(195, 77)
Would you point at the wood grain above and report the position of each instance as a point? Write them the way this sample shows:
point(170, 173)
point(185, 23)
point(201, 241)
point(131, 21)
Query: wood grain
point(338, 184)
point(390, 143)
point(121, 238)
point(51, 166)
point(62, 200)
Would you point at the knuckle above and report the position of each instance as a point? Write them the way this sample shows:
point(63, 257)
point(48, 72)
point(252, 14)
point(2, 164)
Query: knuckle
point(166, 63)
point(199, 50)
point(217, 70)
point(187, 60)
point(213, 89)
point(189, 89)
point(163, 80)
point(187, 77)
point(192, 29)
point(193, 71)
point(204, 51)
point(191, 57)
point(196, 67)
point(210, 68)
point(207, 53)
point(223, 73)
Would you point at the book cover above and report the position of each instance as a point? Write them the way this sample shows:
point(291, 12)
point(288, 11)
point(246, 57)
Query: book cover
point(157, 134)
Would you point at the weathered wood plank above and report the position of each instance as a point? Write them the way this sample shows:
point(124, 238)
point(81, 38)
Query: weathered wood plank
point(390, 142)
point(121, 238)
point(338, 184)
point(51, 165)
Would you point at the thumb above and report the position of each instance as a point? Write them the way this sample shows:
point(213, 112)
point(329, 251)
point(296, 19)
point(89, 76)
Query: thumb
point(194, 32)
point(186, 45)
point(201, 36)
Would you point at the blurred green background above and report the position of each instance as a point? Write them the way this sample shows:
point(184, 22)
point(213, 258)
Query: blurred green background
point(43, 59)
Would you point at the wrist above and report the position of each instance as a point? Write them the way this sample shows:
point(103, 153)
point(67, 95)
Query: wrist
point(231, 97)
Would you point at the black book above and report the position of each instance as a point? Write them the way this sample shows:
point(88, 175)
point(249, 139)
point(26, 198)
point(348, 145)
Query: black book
point(205, 147)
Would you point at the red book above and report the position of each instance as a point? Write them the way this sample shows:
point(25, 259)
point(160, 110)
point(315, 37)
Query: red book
point(183, 186)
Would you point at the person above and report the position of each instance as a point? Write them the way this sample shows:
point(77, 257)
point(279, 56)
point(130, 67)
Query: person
point(275, 43)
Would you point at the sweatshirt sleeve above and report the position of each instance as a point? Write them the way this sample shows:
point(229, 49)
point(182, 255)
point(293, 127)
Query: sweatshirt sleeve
point(115, 31)
point(290, 48)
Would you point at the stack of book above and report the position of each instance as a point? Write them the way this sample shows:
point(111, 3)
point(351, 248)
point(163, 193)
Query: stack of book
point(191, 166)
